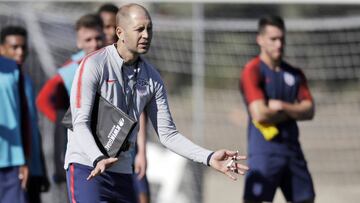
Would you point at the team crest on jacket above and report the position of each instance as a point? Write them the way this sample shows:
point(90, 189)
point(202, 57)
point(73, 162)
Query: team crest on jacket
point(141, 86)
point(289, 79)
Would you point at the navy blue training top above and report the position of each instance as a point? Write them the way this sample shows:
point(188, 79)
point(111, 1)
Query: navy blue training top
point(289, 84)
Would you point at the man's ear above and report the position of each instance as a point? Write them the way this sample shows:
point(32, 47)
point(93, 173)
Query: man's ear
point(120, 33)
point(259, 39)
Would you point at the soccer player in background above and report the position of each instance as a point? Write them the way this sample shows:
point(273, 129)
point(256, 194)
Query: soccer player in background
point(53, 98)
point(14, 134)
point(277, 96)
point(14, 46)
point(107, 13)
point(110, 179)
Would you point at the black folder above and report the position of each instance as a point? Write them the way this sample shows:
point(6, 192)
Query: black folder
point(110, 126)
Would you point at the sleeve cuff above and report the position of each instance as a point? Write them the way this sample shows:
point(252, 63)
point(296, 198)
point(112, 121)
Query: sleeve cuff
point(98, 160)
point(208, 158)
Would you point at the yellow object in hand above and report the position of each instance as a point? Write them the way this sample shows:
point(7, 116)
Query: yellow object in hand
point(267, 130)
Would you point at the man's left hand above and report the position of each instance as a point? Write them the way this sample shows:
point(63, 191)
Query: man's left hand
point(225, 162)
point(101, 166)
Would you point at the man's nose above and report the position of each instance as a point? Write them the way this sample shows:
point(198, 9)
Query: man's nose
point(145, 34)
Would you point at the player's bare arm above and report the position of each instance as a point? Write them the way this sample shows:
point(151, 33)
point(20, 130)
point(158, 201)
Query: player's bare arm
point(303, 110)
point(262, 113)
point(140, 163)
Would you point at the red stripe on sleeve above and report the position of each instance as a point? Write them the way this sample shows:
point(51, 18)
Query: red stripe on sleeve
point(251, 80)
point(304, 91)
point(78, 90)
point(79, 84)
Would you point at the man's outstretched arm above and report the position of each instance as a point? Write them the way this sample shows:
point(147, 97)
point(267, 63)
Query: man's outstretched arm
point(160, 116)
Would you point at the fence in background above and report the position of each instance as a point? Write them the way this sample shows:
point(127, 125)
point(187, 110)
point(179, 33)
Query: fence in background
point(200, 61)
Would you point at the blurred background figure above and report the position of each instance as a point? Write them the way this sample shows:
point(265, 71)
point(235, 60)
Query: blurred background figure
point(53, 98)
point(108, 12)
point(141, 184)
point(13, 168)
point(277, 96)
point(15, 133)
point(14, 45)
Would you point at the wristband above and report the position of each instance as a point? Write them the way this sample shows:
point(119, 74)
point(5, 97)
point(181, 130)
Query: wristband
point(208, 158)
point(97, 160)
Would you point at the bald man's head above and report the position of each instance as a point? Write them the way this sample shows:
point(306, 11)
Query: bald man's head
point(129, 12)
point(134, 30)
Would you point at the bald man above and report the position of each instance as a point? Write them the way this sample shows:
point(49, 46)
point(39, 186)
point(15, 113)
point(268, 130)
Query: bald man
point(128, 81)
point(108, 12)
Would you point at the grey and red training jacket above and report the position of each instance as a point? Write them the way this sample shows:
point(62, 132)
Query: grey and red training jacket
point(103, 71)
